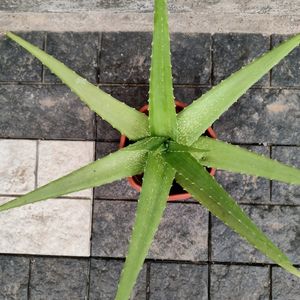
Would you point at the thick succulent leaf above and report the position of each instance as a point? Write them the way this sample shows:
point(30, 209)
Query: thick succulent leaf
point(203, 187)
point(162, 115)
point(122, 117)
point(232, 158)
point(126, 162)
point(197, 117)
point(158, 178)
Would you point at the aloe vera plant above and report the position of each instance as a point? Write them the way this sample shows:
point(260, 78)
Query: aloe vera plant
point(167, 145)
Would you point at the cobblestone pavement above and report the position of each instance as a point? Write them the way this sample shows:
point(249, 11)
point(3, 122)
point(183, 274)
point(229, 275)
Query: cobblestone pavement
point(46, 130)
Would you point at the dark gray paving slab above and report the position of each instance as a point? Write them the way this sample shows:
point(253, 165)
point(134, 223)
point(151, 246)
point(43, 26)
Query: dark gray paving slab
point(104, 278)
point(182, 235)
point(262, 116)
point(285, 286)
point(58, 278)
point(50, 112)
point(178, 281)
point(287, 72)
point(76, 50)
point(14, 277)
point(188, 94)
point(234, 50)
point(284, 193)
point(16, 63)
point(243, 188)
point(280, 224)
point(239, 282)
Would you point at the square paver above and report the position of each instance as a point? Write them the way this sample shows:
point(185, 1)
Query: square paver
point(17, 166)
point(59, 158)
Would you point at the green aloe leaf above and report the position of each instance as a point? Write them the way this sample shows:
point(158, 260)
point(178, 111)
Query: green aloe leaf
point(162, 114)
point(232, 158)
point(203, 187)
point(158, 178)
point(126, 162)
point(197, 117)
point(122, 117)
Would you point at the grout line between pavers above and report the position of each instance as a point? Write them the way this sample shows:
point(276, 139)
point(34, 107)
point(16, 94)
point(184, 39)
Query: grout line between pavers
point(29, 279)
point(271, 181)
point(270, 283)
point(148, 275)
point(209, 251)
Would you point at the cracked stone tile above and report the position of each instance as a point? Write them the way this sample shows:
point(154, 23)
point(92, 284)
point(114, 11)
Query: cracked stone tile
point(182, 234)
point(51, 227)
point(58, 278)
point(105, 275)
point(239, 282)
point(178, 281)
point(279, 223)
point(17, 166)
point(58, 158)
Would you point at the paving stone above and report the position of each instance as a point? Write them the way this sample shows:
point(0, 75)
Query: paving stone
point(262, 116)
point(44, 112)
point(17, 166)
point(77, 50)
point(285, 286)
point(105, 275)
point(280, 224)
point(191, 58)
point(14, 277)
point(243, 188)
point(16, 63)
point(182, 234)
point(287, 72)
point(59, 158)
point(58, 278)
point(239, 282)
point(233, 51)
point(285, 193)
point(52, 227)
point(178, 281)
point(188, 94)
point(125, 57)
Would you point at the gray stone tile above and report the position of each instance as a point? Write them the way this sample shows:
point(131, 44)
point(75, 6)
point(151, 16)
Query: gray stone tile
point(77, 50)
point(244, 188)
point(280, 224)
point(105, 275)
point(14, 277)
point(285, 286)
point(178, 281)
point(233, 51)
point(125, 57)
point(16, 63)
point(58, 278)
point(182, 234)
point(44, 112)
point(239, 282)
point(287, 72)
point(262, 116)
point(188, 94)
point(283, 193)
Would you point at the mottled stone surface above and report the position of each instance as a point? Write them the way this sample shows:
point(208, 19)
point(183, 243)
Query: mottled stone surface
point(14, 276)
point(262, 116)
point(243, 188)
point(76, 50)
point(239, 282)
point(285, 193)
point(105, 275)
point(125, 57)
point(59, 158)
point(16, 63)
point(285, 286)
point(58, 278)
point(47, 112)
point(17, 166)
point(287, 72)
point(178, 281)
point(182, 235)
point(188, 94)
point(233, 51)
point(280, 224)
